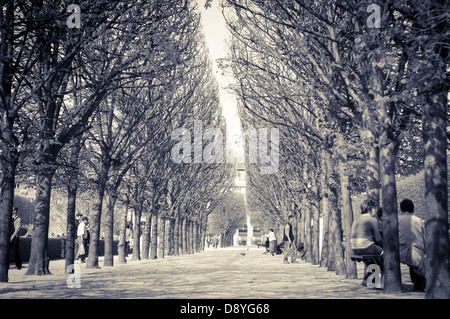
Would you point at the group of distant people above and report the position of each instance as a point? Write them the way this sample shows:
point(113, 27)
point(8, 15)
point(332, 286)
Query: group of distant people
point(213, 240)
point(288, 246)
point(367, 237)
point(81, 243)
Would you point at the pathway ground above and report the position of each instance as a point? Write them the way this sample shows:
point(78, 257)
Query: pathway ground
point(229, 273)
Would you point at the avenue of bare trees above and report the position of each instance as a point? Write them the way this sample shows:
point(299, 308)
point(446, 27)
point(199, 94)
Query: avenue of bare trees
point(359, 92)
point(89, 110)
point(91, 94)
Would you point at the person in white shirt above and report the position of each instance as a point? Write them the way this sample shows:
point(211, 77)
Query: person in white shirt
point(272, 241)
point(81, 235)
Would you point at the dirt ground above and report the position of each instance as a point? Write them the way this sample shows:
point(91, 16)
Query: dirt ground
point(229, 273)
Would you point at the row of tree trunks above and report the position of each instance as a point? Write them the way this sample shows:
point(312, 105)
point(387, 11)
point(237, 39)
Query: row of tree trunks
point(170, 236)
point(226, 239)
point(333, 255)
point(162, 236)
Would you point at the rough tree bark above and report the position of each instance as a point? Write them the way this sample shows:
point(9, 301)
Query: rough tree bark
point(108, 224)
point(337, 263)
point(94, 222)
point(347, 210)
point(372, 162)
point(161, 235)
point(39, 243)
point(325, 211)
point(154, 236)
point(389, 145)
point(7, 199)
point(315, 259)
point(176, 235)
point(137, 232)
point(72, 188)
point(121, 259)
point(8, 159)
point(436, 197)
point(184, 236)
point(435, 137)
point(146, 237)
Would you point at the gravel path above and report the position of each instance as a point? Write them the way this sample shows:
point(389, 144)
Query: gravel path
point(230, 273)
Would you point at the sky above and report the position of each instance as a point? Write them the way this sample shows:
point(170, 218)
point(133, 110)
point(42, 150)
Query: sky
point(216, 33)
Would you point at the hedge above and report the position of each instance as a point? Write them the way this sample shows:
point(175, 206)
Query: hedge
point(55, 248)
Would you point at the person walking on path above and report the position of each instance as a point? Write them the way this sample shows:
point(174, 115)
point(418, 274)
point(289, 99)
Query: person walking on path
point(81, 236)
point(412, 243)
point(289, 243)
point(272, 241)
point(16, 225)
point(78, 218)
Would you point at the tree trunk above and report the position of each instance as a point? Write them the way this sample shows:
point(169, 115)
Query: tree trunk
point(154, 236)
point(315, 231)
point(71, 231)
point(199, 238)
point(161, 235)
point(192, 237)
point(307, 215)
point(172, 236)
point(300, 228)
point(72, 188)
point(8, 158)
point(167, 236)
point(7, 200)
point(176, 235)
point(184, 236)
point(347, 209)
point(315, 237)
point(437, 244)
point(391, 261)
point(335, 221)
point(325, 212)
point(94, 222)
point(308, 237)
point(202, 236)
point(188, 236)
point(121, 259)
point(431, 26)
point(146, 237)
point(39, 241)
point(372, 159)
point(108, 224)
point(137, 233)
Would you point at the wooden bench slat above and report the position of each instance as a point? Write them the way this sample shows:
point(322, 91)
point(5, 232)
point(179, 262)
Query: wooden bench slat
point(374, 259)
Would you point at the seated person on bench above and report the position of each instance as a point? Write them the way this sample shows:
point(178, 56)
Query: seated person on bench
point(412, 243)
point(365, 236)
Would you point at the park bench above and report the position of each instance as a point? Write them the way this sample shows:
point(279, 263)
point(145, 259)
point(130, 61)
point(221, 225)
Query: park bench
point(368, 260)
